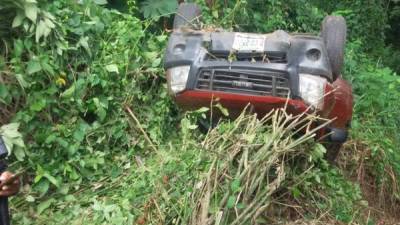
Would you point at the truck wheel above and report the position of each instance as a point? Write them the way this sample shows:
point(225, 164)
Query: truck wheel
point(188, 15)
point(332, 151)
point(333, 32)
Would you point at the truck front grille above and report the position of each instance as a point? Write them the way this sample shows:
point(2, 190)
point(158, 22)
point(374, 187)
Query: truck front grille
point(244, 81)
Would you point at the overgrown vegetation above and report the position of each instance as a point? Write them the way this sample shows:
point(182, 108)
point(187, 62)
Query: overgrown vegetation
point(104, 144)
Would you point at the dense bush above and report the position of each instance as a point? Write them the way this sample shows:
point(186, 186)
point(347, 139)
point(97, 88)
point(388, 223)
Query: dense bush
point(376, 120)
point(73, 87)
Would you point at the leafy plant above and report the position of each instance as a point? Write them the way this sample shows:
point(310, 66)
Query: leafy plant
point(41, 20)
point(155, 8)
point(72, 108)
point(13, 140)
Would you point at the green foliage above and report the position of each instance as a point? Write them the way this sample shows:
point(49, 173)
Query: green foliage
point(329, 191)
point(366, 21)
point(28, 15)
point(75, 86)
point(13, 140)
point(264, 16)
point(155, 8)
point(376, 120)
point(141, 180)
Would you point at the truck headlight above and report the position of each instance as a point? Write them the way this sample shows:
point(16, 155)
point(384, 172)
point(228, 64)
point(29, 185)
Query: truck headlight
point(177, 78)
point(312, 89)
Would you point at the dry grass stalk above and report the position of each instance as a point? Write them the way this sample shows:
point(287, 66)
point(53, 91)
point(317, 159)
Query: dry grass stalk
point(250, 164)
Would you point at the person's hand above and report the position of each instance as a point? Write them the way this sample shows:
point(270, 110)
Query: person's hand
point(9, 189)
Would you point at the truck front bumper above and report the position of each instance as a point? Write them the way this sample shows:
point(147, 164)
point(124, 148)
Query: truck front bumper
point(235, 103)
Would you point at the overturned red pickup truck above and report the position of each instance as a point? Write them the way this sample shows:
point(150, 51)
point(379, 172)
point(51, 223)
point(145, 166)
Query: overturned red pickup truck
point(262, 70)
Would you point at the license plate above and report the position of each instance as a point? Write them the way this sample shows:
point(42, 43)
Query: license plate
point(248, 42)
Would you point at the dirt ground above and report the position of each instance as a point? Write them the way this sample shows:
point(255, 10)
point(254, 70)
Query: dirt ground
point(355, 161)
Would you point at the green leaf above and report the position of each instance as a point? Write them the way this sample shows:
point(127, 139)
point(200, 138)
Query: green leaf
point(44, 205)
point(19, 153)
point(202, 110)
point(235, 185)
point(31, 11)
point(63, 143)
point(101, 2)
point(38, 105)
point(12, 137)
point(48, 68)
point(43, 29)
point(215, 14)
point(156, 62)
point(69, 92)
point(18, 19)
point(101, 113)
point(240, 206)
point(69, 198)
point(83, 42)
point(49, 23)
point(50, 139)
point(155, 8)
point(63, 189)
point(40, 30)
point(4, 93)
point(161, 38)
point(33, 67)
point(11, 130)
point(52, 179)
point(318, 151)
point(296, 192)
point(231, 202)
point(101, 106)
point(150, 55)
point(80, 133)
point(21, 81)
point(112, 68)
point(317, 178)
point(18, 47)
point(41, 186)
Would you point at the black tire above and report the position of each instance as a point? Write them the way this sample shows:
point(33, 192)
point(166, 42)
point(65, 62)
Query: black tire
point(333, 32)
point(188, 15)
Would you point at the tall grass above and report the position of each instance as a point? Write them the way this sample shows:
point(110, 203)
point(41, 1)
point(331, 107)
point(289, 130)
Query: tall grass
point(251, 162)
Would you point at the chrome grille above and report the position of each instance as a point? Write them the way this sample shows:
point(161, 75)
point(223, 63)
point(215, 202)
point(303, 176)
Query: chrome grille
point(244, 81)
